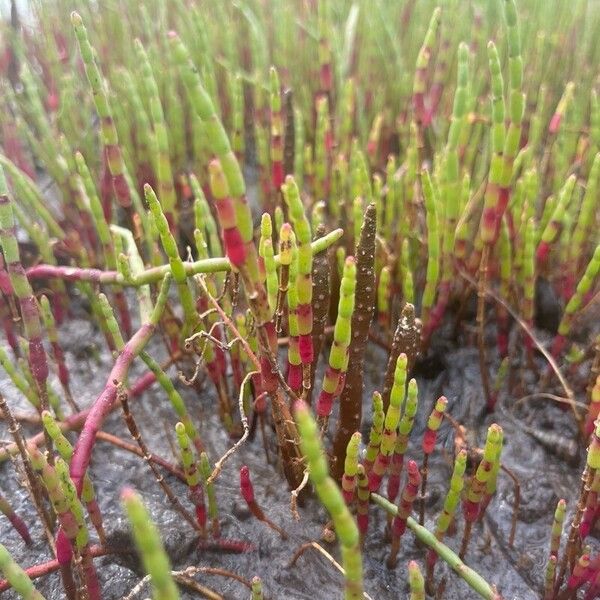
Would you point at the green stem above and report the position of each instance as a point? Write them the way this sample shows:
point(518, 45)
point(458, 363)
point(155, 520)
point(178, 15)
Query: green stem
point(155, 274)
point(475, 581)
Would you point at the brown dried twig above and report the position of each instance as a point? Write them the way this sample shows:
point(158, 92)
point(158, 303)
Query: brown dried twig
point(563, 382)
point(33, 484)
point(219, 464)
point(316, 546)
point(137, 436)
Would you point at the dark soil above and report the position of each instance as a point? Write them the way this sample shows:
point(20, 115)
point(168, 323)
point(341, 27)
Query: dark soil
point(451, 370)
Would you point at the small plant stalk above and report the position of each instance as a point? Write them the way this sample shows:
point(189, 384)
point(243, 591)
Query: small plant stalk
point(474, 496)
point(112, 151)
point(349, 478)
point(15, 520)
point(415, 581)
point(147, 539)
point(105, 401)
point(429, 439)
point(213, 510)
point(404, 430)
point(409, 495)
point(17, 577)
point(193, 476)
point(332, 499)
point(375, 433)
point(65, 450)
point(338, 356)
point(247, 491)
point(30, 314)
point(446, 517)
point(471, 577)
point(390, 426)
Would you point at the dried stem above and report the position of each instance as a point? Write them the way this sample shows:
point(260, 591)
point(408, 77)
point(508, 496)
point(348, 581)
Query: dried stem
point(407, 340)
point(424, 473)
point(481, 289)
point(219, 464)
point(516, 504)
point(294, 496)
point(137, 436)
point(568, 391)
point(186, 574)
point(571, 549)
point(193, 585)
point(364, 307)
point(316, 546)
point(35, 489)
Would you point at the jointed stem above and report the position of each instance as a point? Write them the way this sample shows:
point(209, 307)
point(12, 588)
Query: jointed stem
point(155, 274)
point(475, 581)
point(424, 472)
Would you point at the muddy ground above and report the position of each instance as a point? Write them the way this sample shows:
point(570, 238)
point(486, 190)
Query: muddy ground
point(452, 370)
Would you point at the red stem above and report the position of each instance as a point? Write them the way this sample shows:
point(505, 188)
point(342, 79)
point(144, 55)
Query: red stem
point(104, 403)
point(53, 565)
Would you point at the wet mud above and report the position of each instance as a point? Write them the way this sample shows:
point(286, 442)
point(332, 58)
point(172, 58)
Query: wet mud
point(450, 369)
